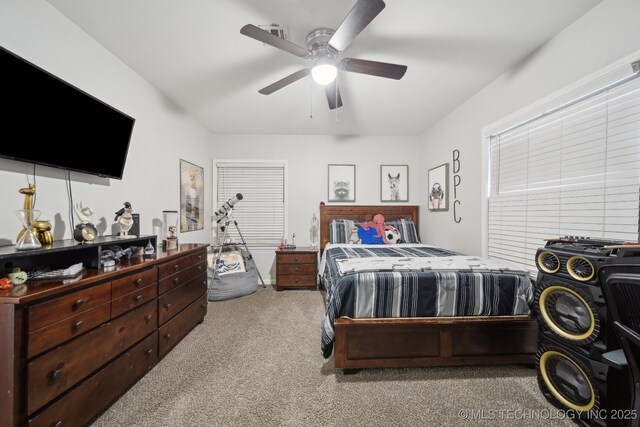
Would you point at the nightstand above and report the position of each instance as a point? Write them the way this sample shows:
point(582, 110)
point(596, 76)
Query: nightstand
point(296, 268)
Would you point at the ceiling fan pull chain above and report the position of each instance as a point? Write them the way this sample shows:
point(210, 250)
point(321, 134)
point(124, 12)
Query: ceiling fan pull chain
point(336, 98)
point(311, 101)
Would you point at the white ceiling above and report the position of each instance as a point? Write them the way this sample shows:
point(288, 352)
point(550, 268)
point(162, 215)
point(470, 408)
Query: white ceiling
point(193, 52)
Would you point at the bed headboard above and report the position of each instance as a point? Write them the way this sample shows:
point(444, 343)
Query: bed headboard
point(363, 213)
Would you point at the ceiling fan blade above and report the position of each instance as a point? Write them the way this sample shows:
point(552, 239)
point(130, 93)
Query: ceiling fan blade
point(357, 19)
point(374, 68)
point(275, 41)
point(284, 82)
point(333, 95)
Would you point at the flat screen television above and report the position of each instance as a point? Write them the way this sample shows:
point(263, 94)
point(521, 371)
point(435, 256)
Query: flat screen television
point(50, 122)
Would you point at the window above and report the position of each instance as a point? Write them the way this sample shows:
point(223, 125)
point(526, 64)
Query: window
point(571, 171)
point(261, 212)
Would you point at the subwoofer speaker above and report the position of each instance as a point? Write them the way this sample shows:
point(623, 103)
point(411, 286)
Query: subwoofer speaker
point(575, 314)
point(572, 381)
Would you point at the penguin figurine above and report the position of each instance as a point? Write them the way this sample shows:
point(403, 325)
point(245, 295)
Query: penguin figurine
point(124, 220)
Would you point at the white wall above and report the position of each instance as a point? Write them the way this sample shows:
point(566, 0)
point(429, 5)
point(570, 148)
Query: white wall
point(307, 158)
point(601, 37)
point(162, 135)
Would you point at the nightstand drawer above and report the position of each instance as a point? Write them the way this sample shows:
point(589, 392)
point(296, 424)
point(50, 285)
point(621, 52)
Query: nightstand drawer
point(297, 269)
point(298, 280)
point(297, 258)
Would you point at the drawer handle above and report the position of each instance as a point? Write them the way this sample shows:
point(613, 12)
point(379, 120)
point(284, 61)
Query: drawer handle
point(58, 424)
point(177, 266)
point(168, 335)
point(176, 280)
point(199, 268)
point(296, 259)
point(56, 374)
point(147, 317)
point(138, 298)
point(137, 282)
point(199, 257)
point(167, 305)
point(79, 302)
point(78, 324)
point(203, 305)
point(149, 351)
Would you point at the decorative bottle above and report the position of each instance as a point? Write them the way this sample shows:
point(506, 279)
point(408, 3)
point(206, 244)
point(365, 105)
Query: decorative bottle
point(313, 232)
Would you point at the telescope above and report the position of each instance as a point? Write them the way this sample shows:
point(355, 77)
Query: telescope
point(228, 205)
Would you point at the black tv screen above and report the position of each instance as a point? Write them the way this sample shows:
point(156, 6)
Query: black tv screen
point(51, 122)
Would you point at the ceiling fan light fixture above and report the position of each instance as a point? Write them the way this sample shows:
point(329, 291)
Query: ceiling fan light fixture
point(324, 74)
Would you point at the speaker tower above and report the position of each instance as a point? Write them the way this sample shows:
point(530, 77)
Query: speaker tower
point(575, 330)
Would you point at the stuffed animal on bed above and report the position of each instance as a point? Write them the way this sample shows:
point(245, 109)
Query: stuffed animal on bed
point(368, 236)
point(354, 239)
point(380, 231)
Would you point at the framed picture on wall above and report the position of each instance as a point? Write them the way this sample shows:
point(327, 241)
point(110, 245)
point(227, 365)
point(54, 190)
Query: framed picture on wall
point(342, 183)
point(439, 188)
point(191, 197)
point(394, 183)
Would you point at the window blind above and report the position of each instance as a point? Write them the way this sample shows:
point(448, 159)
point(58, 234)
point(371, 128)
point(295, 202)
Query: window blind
point(572, 172)
point(260, 214)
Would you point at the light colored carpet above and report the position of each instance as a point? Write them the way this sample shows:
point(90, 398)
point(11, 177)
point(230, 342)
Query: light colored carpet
point(256, 361)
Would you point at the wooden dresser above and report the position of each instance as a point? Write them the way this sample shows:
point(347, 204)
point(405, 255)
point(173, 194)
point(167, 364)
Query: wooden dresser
point(69, 348)
point(296, 268)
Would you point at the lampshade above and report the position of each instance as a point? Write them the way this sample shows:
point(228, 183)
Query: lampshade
point(324, 73)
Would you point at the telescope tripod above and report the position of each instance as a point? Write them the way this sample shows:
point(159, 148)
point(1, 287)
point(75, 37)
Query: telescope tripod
point(225, 228)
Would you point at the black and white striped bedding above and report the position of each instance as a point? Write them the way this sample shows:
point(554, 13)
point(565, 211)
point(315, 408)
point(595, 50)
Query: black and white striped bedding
point(416, 293)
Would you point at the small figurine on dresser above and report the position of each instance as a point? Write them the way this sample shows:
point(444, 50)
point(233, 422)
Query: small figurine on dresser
point(172, 239)
point(124, 219)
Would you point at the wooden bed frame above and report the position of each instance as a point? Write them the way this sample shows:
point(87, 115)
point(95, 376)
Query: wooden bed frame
point(437, 341)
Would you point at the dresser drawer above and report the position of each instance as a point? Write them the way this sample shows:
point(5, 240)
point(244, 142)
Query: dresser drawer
point(46, 313)
point(168, 268)
point(300, 258)
point(59, 332)
point(174, 330)
point(181, 277)
point(306, 280)
point(80, 405)
point(53, 373)
point(133, 282)
point(133, 300)
point(175, 300)
point(297, 269)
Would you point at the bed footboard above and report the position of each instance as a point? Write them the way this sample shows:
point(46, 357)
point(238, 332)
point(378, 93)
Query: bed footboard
point(450, 341)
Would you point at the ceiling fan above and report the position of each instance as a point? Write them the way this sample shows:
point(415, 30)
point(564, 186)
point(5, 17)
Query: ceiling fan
point(324, 45)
